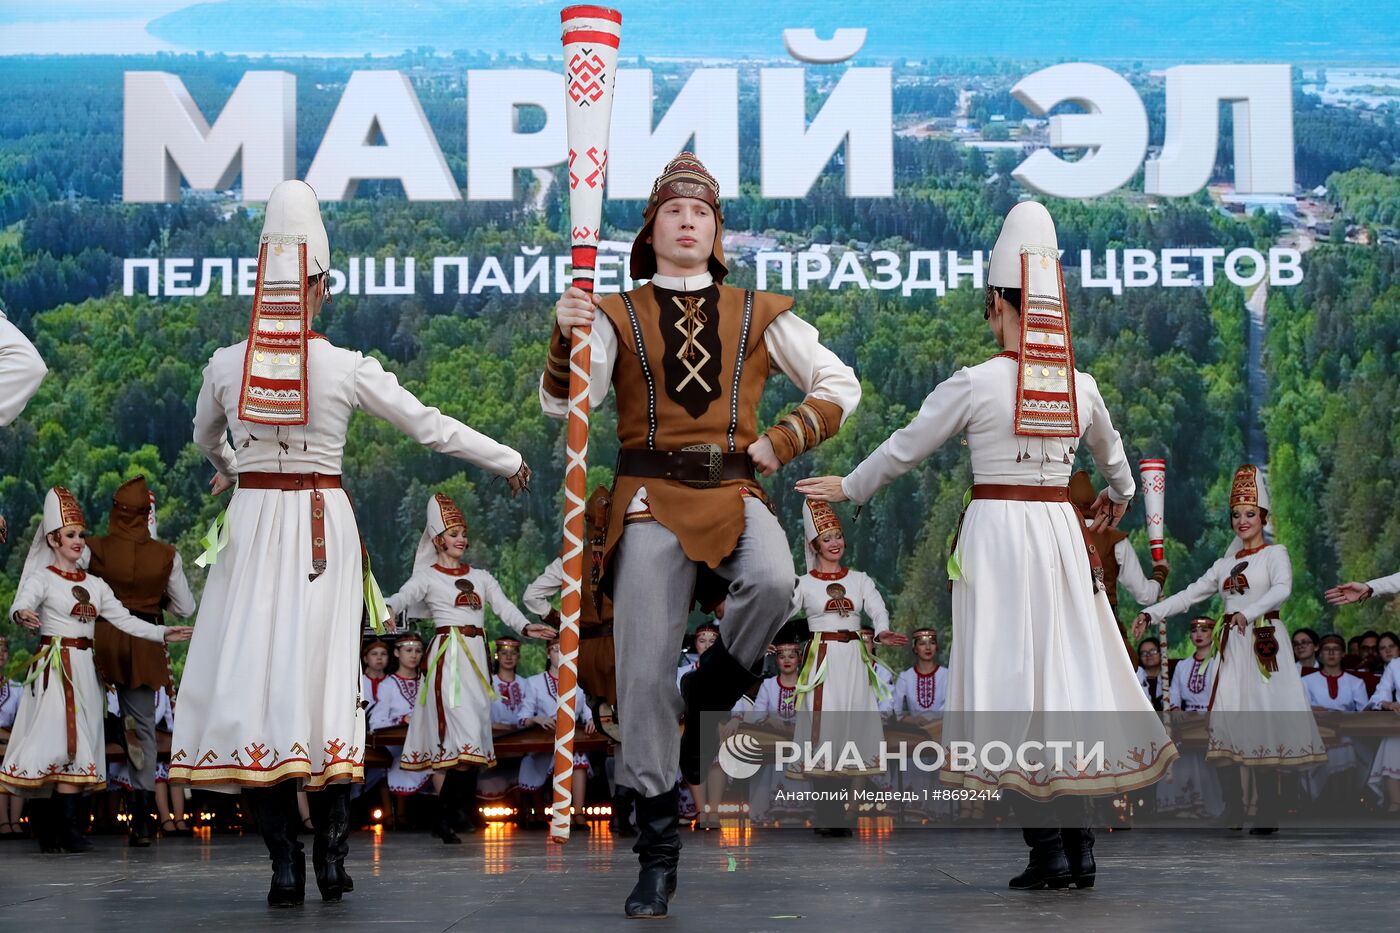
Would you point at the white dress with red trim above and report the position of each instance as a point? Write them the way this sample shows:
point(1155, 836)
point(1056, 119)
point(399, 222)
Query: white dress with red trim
point(917, 694)
point(838, 697)
point(452, 726)
point(1256, 720)
point(273, 675)
point(1387, 762)
point(536, 768)
point(57, 733)
point(772, 794)
point(1031, 634)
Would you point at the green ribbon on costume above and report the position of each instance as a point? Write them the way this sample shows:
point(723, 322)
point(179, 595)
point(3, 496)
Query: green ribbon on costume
point(49, 658)
point(214, 541)
point(374, 599)
point(811, 676)
point(882, 693)
point(453, 671)
point(954, 562)
point(1217, 646)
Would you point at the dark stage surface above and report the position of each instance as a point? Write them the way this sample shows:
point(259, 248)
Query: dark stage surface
point(508, 880)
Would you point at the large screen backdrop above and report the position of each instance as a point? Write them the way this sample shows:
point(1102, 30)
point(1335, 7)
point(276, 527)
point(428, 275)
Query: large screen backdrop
point(1226, 196)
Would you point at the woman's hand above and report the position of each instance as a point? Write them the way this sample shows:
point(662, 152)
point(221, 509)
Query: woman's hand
point(178, 633)
point(28, 618)
point(892, 639)
point(220, 484)
point(538, 630)
point(1140, 625)
point(1346, 593)
point(1238, 620)
point(589, 728)
point(822, 488)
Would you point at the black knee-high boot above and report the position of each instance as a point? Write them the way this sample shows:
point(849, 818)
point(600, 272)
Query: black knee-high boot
point(1232, 790)
point(276, 807)
point(1078, 840)
point(70, 823)
point(465, 813)
point(658, 849)
point(330, 815)
point(43, 823)
point(1047, 866)
point(446, 803)
point(1270, 802)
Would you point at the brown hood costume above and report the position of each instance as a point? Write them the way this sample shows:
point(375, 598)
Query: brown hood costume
point(137, 568)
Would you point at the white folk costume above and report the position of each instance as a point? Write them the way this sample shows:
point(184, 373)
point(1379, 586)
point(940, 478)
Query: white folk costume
point(1387, 762)
point(22, 371)
point(57, 734)
point(687, 359)
point(536, 768)
point(1032, 633)
point(838, 674)
point(284, 599)
point(1256, 674)
point(920, 695)
point(512, 707)
point(398, 704)
point(772, 793)
point(1193, 786)
point(9, 701)
point(453, 725)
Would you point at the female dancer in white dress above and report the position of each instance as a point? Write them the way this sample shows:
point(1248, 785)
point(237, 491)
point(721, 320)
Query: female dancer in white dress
point(840, 692)
point(285, 595)
point(1260, 718)
point(450, 734)
point(1035, 644)
point(56, 744)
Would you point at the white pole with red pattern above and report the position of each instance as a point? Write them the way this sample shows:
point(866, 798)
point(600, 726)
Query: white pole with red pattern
point(591, 35)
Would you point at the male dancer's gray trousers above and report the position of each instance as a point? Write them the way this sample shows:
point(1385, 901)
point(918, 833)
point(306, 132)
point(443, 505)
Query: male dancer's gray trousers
point(653, 586)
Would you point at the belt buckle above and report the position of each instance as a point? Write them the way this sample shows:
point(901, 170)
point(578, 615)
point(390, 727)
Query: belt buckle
point(714, 468)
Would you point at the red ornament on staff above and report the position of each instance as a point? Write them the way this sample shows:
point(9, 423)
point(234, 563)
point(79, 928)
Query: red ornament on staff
point(591, 35)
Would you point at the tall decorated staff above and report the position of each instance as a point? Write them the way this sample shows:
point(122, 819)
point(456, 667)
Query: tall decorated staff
point(591, 35)
point(1154, 499)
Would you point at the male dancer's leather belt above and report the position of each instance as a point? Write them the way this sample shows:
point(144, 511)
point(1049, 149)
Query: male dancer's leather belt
point(703, 466)
point(292, 482)
point(837, 636)
point(1020, 493)
point(470, 631)
point(82, 644)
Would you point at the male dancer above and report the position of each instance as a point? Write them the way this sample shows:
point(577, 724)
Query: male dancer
point(148, 577)
point(687, 359)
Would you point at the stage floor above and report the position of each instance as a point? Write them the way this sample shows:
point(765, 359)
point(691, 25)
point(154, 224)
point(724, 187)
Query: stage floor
point(504, 879)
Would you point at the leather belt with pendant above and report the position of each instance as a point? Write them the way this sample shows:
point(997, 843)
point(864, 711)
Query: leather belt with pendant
point(700, 466)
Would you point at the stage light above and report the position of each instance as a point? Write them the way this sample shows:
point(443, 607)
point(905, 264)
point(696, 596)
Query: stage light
point(377, 815)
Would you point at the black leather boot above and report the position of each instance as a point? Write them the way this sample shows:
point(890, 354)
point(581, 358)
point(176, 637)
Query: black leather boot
point(658, 849)
point(43, 823)
point(69, 828)
point(1270, 803)
point(1079, 853)
point(621, 824)
point(1047, 867)
point(277, 821)
point(442, 817)
point(1233, 793)
point(330, 814)
point(714, 686)
point(140, 831)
